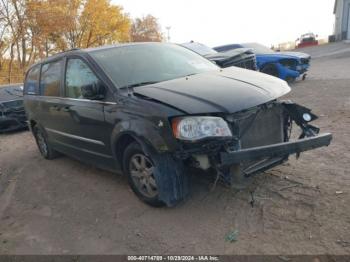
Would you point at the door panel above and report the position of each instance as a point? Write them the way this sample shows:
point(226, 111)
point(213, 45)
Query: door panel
point(48, 103)
point(83, 133)
point(83, 122)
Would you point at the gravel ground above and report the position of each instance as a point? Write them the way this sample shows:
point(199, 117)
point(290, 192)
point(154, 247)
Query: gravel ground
point(302, 207)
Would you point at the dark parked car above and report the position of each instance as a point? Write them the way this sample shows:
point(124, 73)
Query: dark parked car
point(285, 65)
point(240, 57)
point(153, 110)
point(12, 115)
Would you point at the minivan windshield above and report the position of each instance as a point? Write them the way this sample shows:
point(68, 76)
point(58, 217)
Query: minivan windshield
point(140, 64)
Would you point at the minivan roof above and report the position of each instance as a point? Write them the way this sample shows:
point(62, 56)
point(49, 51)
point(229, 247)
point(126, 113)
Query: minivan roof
point(86, 50)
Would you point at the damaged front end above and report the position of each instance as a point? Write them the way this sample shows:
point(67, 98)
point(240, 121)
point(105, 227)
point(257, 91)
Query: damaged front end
point(12, 116)
point(261, 139)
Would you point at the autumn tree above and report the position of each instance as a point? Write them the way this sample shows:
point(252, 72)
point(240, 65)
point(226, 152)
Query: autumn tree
point(102, 23)
point(94, 23)
point(33, 29)
point(4, 40)
point(146, 29)
point(47, 22)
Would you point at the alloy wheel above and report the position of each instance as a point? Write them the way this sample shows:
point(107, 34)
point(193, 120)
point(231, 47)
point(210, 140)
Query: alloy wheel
point(141, 171)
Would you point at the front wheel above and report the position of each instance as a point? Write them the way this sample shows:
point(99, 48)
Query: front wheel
point(140, 171)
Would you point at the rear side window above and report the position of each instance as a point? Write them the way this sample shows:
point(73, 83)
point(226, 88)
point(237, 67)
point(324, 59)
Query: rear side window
point(78, 74)
point(31, 85)
point(50, 80)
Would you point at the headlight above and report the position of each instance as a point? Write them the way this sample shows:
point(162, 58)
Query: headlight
point(195, 128)
point(307, 117)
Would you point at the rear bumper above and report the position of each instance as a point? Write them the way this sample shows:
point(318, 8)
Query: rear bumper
point(275, 150)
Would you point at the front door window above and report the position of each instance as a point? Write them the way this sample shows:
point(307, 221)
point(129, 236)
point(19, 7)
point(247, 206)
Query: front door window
point(78, 74)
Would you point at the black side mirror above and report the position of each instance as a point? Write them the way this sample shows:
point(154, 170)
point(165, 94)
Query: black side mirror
point(94, 91)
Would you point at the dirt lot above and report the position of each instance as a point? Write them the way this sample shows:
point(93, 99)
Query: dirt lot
point(302, 207)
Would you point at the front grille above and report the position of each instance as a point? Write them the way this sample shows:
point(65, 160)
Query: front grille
point(305, 61)
point(248, 62)
point(262, 128)
point(259, 127)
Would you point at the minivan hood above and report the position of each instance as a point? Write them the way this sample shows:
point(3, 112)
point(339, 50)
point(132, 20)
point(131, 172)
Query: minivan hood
point(228, 90)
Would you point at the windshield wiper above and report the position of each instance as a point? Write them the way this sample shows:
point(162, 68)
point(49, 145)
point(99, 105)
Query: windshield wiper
point(191, 74)
point(139, 84)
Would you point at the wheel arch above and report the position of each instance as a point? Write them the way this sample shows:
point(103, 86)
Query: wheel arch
point(120, 144)
point(32, 123)
point(121, 141)
point(170, 174)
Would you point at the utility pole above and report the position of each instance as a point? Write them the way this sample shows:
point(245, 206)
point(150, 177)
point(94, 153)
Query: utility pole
point(168, 29)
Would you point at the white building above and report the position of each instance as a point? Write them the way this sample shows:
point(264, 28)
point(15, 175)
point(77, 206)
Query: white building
point(342, 19)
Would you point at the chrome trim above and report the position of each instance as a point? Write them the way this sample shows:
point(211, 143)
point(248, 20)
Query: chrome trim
point(84, 150)
point(97, 142)
point(79, 99)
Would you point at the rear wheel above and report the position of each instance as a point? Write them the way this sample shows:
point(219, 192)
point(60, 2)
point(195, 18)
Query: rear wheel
point(44, 147)
point(270, 69)
point(140, 171)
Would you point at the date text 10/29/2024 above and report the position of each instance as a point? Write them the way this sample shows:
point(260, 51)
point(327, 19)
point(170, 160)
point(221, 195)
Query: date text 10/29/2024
point(173, 258)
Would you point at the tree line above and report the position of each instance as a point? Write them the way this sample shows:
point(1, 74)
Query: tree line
point(31, 30)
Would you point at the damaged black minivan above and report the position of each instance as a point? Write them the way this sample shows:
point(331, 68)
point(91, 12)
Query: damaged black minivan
point(154, 110)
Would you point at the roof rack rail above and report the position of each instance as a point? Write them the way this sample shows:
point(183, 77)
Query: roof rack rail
point(62, 52)
point(72, 49)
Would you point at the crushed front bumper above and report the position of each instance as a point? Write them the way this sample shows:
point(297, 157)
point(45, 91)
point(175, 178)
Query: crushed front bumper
point(12, 121)
point(262, 139)
point(275, 150)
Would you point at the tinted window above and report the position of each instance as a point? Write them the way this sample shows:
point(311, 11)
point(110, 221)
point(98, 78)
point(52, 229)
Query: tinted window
point(199, 48)
point(50, 80)
point(140, 63)
point(78, 74)
point(31, 85)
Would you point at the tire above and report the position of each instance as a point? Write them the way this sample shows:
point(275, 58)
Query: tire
point(139, 169)
point(290, 80)
point(270, 69)
point(43, 145)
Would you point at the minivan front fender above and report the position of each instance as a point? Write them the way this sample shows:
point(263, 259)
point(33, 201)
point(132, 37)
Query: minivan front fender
point(154, 135)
